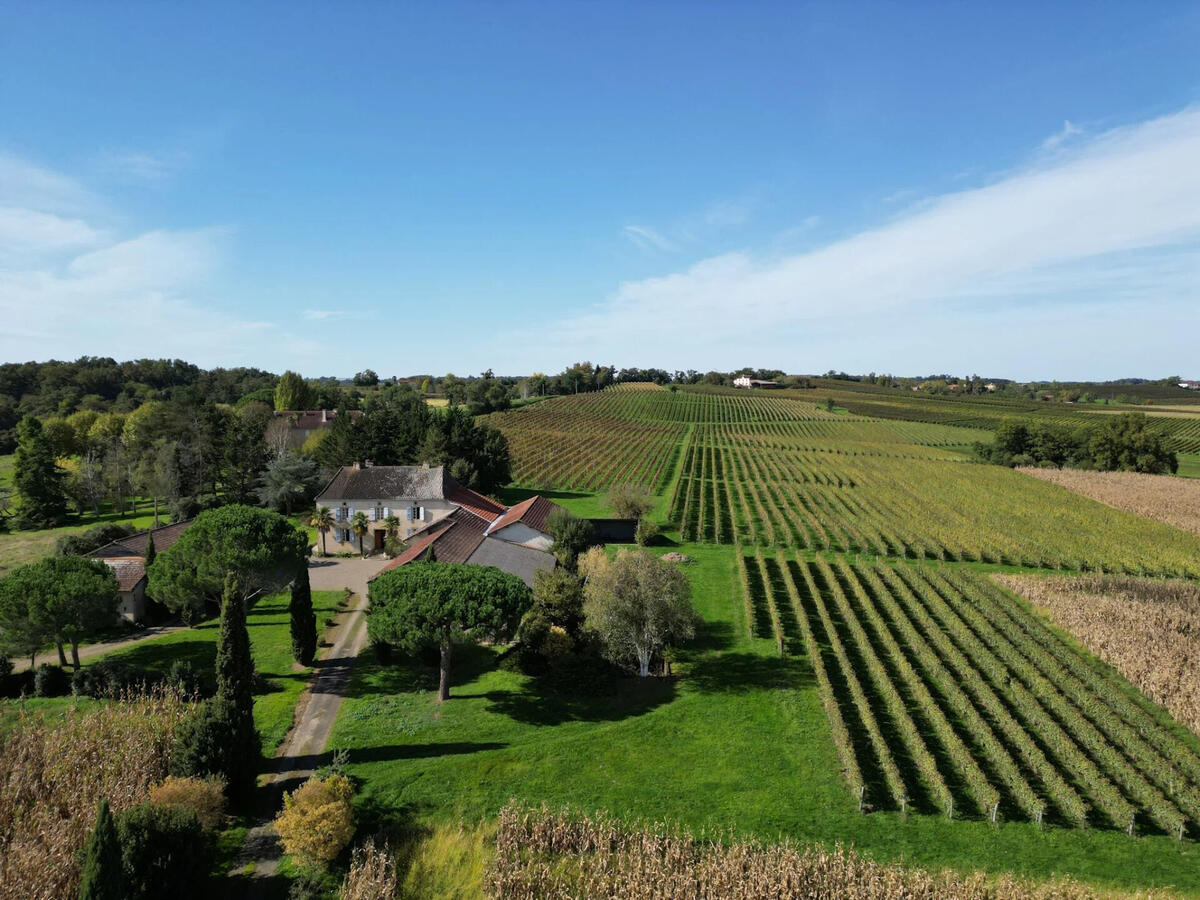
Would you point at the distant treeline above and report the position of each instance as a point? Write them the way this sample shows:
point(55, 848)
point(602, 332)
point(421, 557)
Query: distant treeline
point(1127, 443)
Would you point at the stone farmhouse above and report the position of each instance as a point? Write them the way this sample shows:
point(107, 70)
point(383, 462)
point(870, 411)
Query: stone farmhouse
point(127, 558)
point(439, 519)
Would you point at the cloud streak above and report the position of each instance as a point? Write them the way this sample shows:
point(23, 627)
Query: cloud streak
point(1131, 189)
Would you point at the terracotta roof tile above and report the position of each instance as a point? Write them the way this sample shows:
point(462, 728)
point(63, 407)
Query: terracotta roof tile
point(532, 512)
point(135, 545)
point(128, 571)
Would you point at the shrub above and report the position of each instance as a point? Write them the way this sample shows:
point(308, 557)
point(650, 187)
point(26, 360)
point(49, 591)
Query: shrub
point(183, 677)
point(165, 852)
point(203, 797)
point(317, 819)
point(102, 875)
point(646, 533)
point(111, 679)
point(202, 744)
point(85, 542)
point(50, 681)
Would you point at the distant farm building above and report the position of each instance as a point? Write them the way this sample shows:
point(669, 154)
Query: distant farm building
point(304, 423)
point(1190, 385)
point(127, 558)
point(745, 381)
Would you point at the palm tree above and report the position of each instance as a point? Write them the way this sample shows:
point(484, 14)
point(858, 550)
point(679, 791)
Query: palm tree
point(322, 520)
point(392, 526)
point(360, 525)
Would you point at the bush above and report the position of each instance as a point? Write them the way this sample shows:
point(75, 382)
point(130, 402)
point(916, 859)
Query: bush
point(646, 533)
point(165, 852)
point(183, 677)
point(50, 681)
point(317, 819)
point(202, 744)
point(202, 797)
point(111, 679)
point(94, 538)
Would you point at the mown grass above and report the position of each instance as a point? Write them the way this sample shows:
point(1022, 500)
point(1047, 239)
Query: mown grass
point(283, 679)
point(585, 504)
point(1189, 465)
point(739, 743)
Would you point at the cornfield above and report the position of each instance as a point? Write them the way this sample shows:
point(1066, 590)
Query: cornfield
point(545, 855)
point(52, 777)
point(1147, 630)
point(947, 697)
point(1175, 501)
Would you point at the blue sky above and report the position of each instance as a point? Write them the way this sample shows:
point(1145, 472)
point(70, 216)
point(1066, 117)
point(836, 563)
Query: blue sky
point(1010, 189)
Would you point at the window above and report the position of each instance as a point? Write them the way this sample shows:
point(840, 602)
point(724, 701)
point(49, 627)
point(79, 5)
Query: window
point(416, 514)
point(380, 512)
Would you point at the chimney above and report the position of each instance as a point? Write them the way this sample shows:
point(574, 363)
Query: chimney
point(324, 415)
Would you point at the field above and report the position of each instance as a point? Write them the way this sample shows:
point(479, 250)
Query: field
point(1161, 497)
point(987, 412)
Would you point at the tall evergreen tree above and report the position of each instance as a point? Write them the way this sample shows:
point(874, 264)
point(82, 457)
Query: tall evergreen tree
point(103, 877)
point(38, 480)
point(304, 620)
point(151, 551)
point(234, 700)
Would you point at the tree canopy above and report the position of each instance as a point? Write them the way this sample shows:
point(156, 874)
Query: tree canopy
point(64, 599)
point(293, 392)
point(38, 479)
point(1128, 442)
point(262, 548)
point(637, 604)
point(432, 604)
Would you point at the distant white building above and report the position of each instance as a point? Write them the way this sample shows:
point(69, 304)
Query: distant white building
point(745, 381)
point(1190, 385)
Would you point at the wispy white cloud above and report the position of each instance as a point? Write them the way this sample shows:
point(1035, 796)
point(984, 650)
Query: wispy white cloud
point(320, 315)
point(142, 166)
point(1056, 140)
point(648, 238)
point(1129, 189)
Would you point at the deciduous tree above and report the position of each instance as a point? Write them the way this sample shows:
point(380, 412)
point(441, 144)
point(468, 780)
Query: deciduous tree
point(638, 604)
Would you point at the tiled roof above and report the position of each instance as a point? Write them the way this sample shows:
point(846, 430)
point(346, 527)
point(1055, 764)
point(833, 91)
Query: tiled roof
point(453, 539)
point(484, 507)
point(532, 512)
point(386, 483)
point(128, 571)
point(135, 545)
point(516, 559)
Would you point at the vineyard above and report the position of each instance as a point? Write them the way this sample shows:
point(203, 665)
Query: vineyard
point(945, 696)
point(1182, 431)
point(754, 486)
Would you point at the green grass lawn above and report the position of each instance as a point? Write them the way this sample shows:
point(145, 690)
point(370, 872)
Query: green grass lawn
point(739, 743)
point(271, 646)
point(1189, 465)
point(20, 547)
point(586, 505)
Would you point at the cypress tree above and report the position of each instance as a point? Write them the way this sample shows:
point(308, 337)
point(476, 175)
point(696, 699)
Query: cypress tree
point(37, 478)
point(103, 877)
point(151, 552)
point(234, 700)
point(304, 620)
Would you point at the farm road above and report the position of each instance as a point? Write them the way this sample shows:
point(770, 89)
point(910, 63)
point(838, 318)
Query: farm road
point(91, 651)
point(303, 751)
